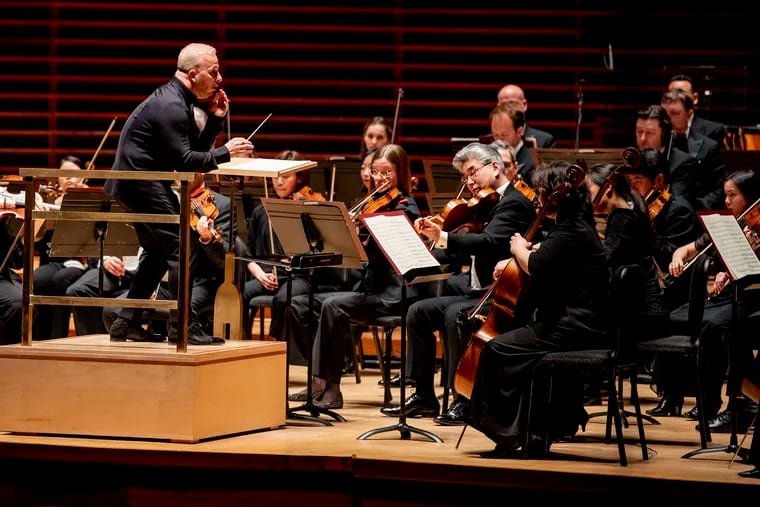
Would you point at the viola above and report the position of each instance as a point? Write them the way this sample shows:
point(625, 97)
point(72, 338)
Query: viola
point(506, 294)
point(203, 204)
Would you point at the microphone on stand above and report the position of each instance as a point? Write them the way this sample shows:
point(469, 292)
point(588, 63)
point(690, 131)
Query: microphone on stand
point(579, 98)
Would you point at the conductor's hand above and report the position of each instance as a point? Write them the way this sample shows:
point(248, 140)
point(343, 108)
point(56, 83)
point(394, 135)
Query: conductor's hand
point(239, 147)
point(220, 104)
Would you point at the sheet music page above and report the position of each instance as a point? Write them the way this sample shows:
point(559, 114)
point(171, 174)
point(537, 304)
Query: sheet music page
point(732, 245)
point(397, 238)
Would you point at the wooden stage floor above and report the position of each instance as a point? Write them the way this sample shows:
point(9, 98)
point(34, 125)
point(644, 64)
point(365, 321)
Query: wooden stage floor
point(311, 463)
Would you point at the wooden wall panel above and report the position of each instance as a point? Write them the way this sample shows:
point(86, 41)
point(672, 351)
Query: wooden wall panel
point(322, 70)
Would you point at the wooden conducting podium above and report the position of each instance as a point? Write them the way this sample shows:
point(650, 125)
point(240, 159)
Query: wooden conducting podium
point(90, 386)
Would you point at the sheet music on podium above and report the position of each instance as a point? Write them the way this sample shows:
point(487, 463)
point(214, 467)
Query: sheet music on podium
point(731, 243)
point(403, 247)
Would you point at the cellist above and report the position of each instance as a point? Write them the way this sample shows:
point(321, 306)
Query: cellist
point(569, 276)
point(482, 167)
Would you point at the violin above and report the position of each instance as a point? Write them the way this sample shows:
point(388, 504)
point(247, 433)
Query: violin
point(460, 215)
point(631, 159)
point(305, 193)
point(203, 204)
point(376, 205)
point(656, 200)
point(507, 292)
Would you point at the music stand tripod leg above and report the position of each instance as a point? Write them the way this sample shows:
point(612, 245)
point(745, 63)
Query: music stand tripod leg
point(402, 427)
point(308, 405)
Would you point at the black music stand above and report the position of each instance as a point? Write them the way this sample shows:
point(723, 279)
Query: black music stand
point(411, 260)
point(314, 234)
point(92, 238)
point(342, 179)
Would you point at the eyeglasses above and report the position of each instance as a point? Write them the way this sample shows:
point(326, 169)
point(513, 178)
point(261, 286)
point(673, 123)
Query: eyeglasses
point(384, 175)
point(471, 172)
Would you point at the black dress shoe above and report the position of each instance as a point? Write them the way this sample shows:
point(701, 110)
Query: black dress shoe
point(195, 336)
point(751, 474)
point(415, 406)
point(395, 381)
point(122, 330)
point(721, 423)
point(667, 406)
point(455, 415)
point(502, 450)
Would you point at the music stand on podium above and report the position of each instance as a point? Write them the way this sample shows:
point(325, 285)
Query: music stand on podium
point(314, 234)
point(412, 260)
point(92, 238)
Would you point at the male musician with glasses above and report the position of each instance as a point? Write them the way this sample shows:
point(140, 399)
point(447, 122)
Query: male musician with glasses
point(483, 168)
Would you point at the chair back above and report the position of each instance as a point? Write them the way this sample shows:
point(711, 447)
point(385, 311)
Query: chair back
point(698, 295)
point(627, 293)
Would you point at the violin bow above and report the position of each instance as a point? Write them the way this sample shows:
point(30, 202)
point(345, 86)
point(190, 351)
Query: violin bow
point(395, 115)
point(91, 164)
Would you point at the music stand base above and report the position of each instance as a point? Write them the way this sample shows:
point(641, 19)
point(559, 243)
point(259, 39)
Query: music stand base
point(314, 411)
point(625, 414)
point(730, 449)
point(405, 430)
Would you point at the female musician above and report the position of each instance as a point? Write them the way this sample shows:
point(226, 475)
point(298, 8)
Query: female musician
point(377, 132)
point(672, 216)
point(569, 274)
point(378, 294)
point(483, 168)
point(263, 242)
point(741, 189)
point(628, 237)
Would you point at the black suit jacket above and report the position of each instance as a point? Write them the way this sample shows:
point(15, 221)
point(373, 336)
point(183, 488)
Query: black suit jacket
point(543, 138)
point(698, 175)
point(525, 161)
point(712, 129)
point(513, 213)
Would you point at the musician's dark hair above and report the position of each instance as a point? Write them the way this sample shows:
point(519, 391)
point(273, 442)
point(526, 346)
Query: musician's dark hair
point(652, 163)
point(656, 112)
point(73, 159)
point(598, 174)
point(748, 183)
point(375, 120)
point(575, 203)
point(304, 177)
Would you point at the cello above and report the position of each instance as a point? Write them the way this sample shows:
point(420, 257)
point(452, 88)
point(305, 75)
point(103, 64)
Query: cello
point(506, 292)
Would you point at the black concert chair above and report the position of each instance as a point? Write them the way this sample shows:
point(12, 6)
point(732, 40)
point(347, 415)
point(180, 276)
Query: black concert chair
point(688, 342)
point(599, 365)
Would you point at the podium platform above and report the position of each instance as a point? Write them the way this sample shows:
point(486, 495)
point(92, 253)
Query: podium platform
point(90, 386)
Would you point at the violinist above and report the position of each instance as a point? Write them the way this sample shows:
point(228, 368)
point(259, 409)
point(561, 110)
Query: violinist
point(266, 279)
point(570, 278)
point(376, 295)
point(483, 168)
point(741, 189)
point(673, 218)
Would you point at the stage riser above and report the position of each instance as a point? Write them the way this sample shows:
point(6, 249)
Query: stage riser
point(88, 386)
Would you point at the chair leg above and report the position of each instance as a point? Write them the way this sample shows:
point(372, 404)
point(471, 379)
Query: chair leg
point(384, 367)
point(639, 418)
point(614, 412)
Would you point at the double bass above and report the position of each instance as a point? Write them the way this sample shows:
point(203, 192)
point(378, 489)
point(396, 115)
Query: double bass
point(506, 292)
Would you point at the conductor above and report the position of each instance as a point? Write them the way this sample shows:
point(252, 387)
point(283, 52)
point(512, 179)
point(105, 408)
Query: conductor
point(175, 128)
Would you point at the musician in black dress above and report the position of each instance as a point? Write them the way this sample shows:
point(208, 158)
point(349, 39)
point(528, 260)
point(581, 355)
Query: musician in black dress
point(512, 213)
point(11, 258)
point(569, 282)
point(174, 129)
